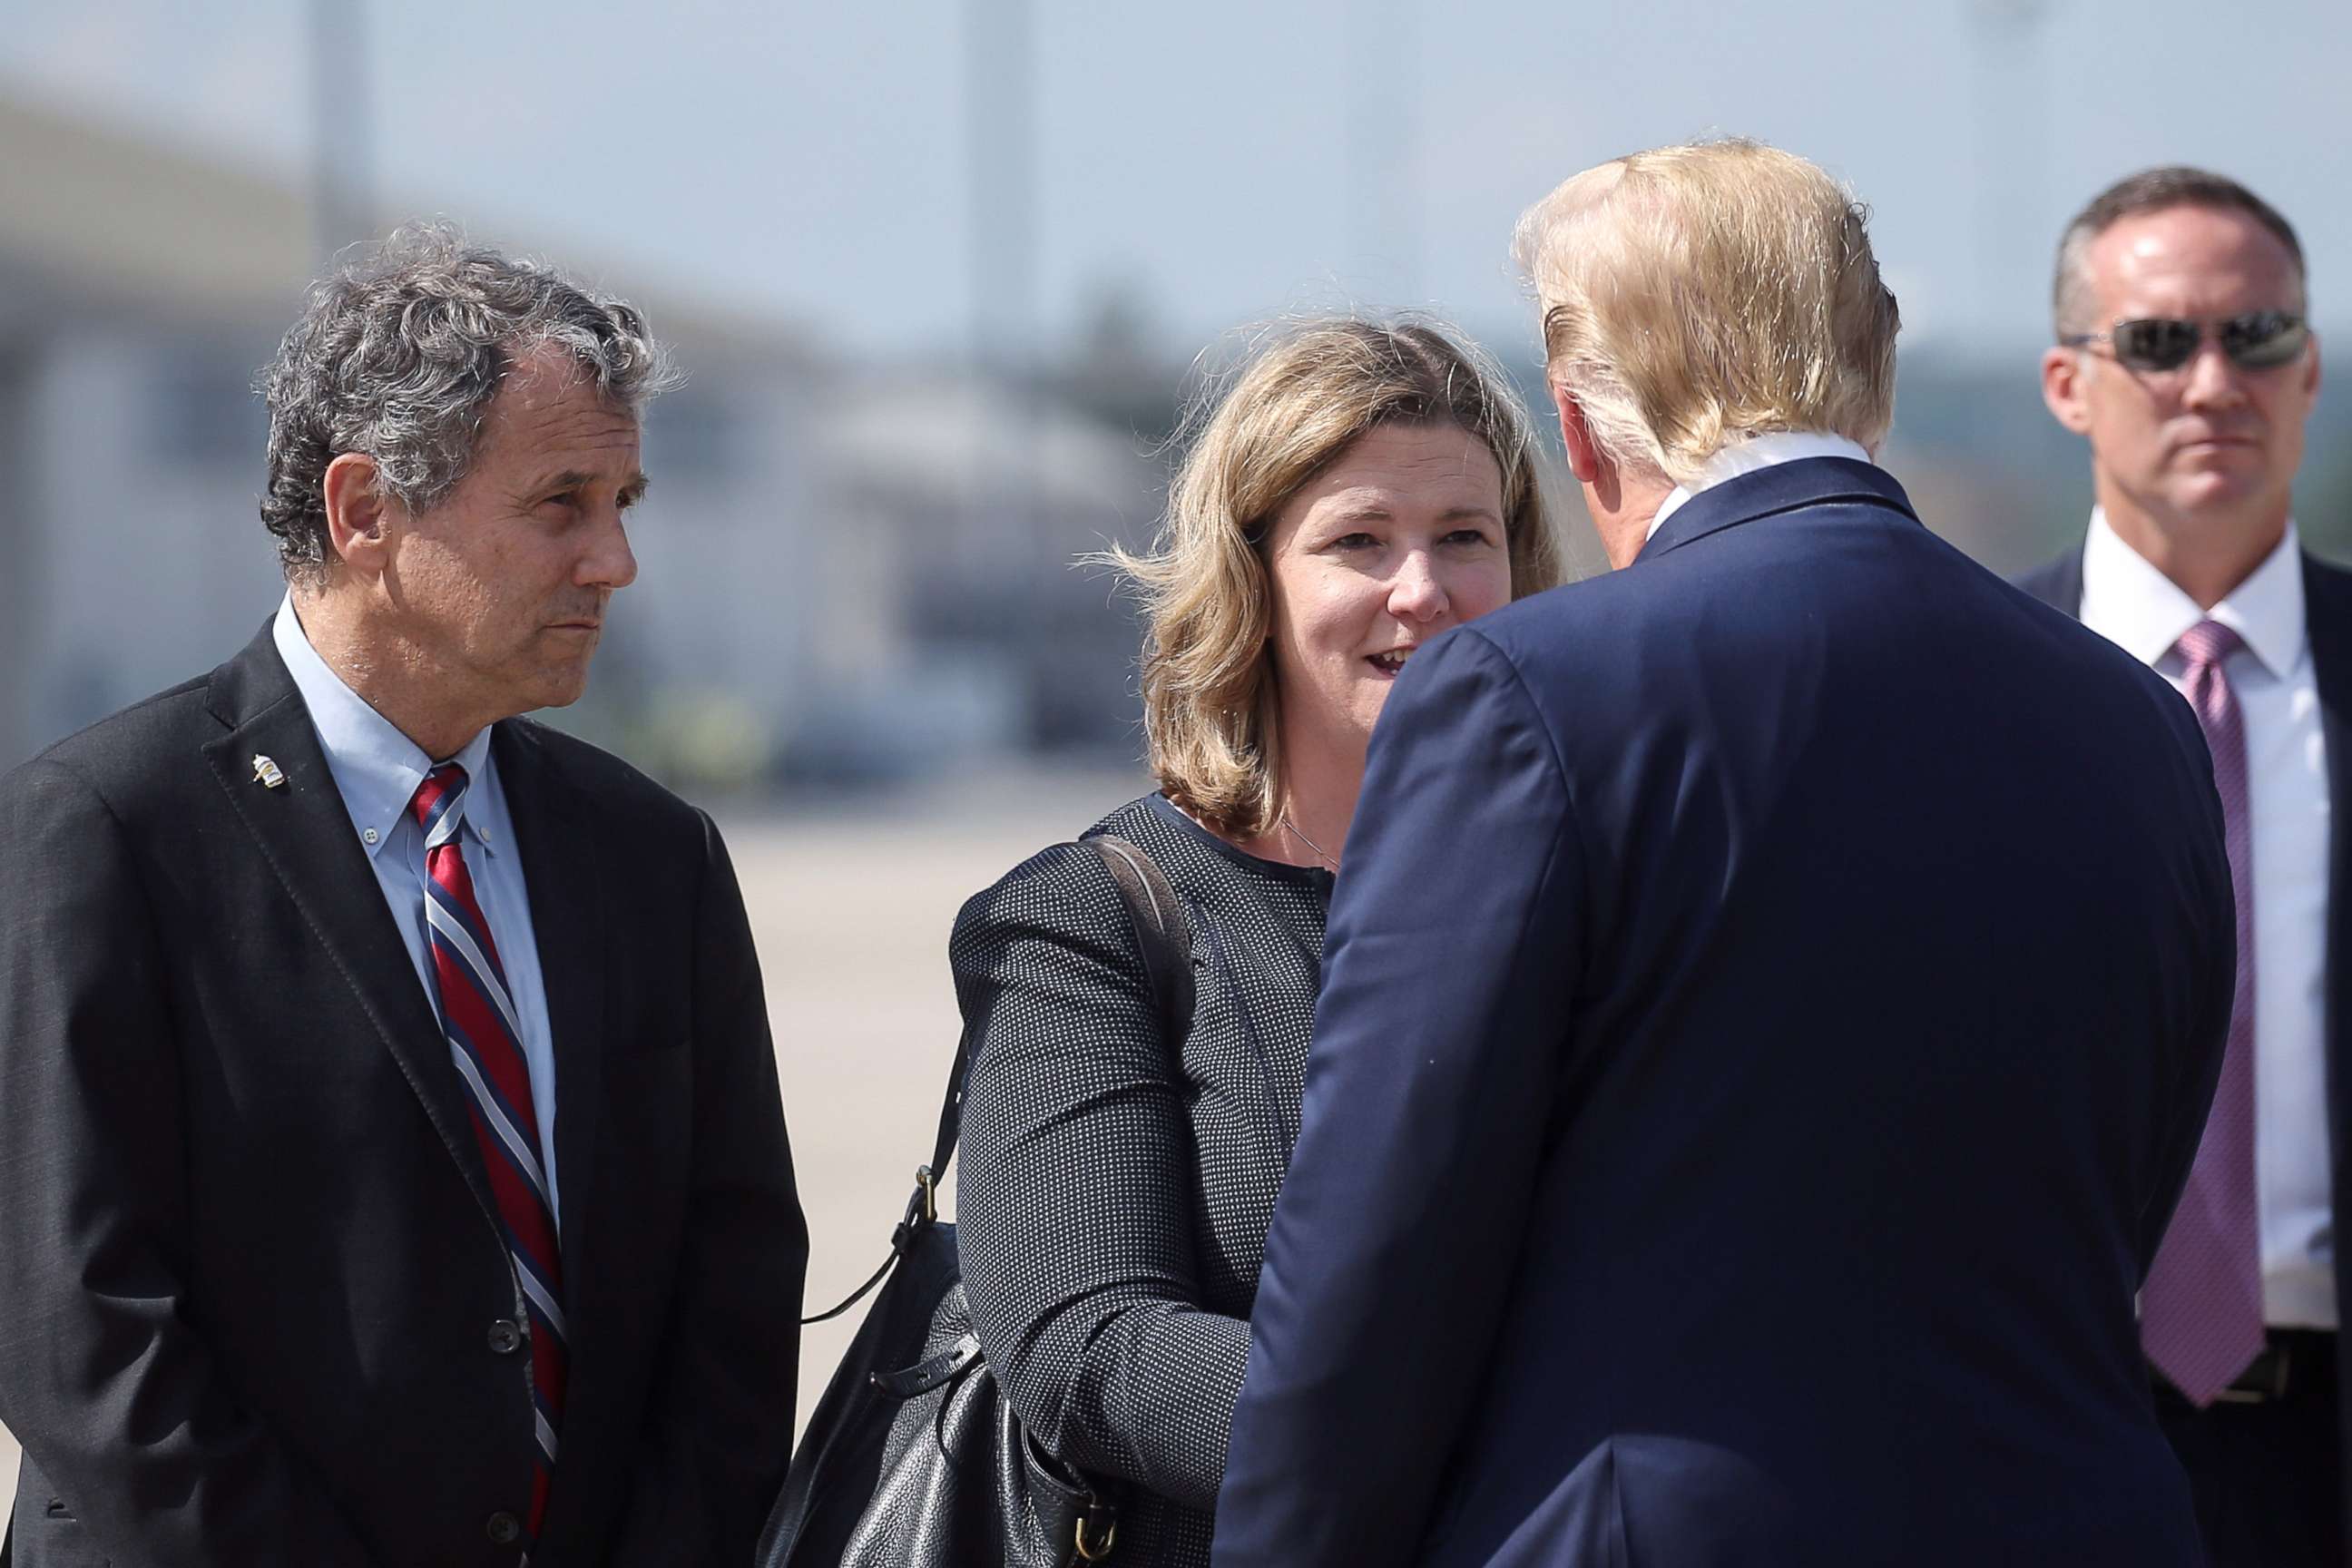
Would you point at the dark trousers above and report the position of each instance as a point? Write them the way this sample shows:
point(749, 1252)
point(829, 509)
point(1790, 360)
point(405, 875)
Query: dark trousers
point(2267, 1478)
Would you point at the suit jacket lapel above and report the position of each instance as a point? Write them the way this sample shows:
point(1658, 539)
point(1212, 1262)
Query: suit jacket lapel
point(304, 834)
point(2328, 622)
point(556, 838)
point(2058, 584)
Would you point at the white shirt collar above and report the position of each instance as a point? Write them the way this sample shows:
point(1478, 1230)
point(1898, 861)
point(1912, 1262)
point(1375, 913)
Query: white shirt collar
point(375, 767)
point(1762, 451)
point(2126, 599)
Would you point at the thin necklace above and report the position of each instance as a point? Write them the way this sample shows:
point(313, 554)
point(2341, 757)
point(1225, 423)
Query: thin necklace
point(1332, 865)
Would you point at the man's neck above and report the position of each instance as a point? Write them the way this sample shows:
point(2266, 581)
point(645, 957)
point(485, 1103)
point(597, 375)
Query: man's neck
point(1621, 506)
point(2207, 556)
point(388, 677)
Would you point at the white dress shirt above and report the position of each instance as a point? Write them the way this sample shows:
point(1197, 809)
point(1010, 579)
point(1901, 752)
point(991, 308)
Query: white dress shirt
point(2139, 608)
point(377, 769)
point(1744, 457)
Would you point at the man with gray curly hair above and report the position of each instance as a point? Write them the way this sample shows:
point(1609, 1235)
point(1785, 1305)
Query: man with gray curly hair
point(391, 1164)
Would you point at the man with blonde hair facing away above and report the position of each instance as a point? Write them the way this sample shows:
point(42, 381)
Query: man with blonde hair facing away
point(1771, 1001)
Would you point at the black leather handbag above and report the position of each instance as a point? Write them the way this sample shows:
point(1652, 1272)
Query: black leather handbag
point(914, 1457)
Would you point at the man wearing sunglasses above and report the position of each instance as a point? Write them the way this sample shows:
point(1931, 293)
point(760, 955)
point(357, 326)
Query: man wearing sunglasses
point(2183, 358)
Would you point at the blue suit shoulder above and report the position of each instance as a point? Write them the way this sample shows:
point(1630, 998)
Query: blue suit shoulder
point(2057, 585)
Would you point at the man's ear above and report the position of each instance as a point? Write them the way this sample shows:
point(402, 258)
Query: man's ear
point(359, 514)
point(2066, 375)
point(1585, 457)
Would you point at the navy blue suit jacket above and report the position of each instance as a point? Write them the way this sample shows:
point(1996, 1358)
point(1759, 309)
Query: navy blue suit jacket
point(1770, 1007)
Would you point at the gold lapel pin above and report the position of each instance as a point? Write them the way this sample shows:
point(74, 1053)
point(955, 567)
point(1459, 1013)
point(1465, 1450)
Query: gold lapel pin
point(270, 774)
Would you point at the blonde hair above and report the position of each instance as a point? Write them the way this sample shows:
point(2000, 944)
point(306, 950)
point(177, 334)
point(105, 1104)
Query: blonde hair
point(1210, 705)
point(1694, 296)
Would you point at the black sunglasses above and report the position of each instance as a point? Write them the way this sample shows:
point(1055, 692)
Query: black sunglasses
point(2258, 340)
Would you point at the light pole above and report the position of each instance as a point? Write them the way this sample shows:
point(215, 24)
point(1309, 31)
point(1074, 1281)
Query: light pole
point(341, 196)
point(1383, 224)
point(1002, 494)
point(2013, 140)
point(999, 86)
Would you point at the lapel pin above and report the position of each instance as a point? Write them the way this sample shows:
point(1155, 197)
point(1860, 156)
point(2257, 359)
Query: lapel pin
point(270, 774)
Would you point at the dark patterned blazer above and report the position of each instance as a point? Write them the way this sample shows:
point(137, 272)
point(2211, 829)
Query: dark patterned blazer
point(1117, 1185)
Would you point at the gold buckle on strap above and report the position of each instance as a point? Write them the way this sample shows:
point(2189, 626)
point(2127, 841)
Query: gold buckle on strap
point(1099, 1550)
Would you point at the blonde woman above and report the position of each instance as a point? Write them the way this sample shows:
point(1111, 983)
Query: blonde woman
point(1360, 489)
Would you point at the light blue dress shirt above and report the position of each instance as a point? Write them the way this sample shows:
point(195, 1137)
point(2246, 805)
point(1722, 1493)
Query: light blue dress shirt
point(377, 769)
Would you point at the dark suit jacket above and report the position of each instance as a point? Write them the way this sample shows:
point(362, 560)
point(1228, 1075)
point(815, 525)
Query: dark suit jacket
point(249, 1262)
point(2327, 620)
point(1758, 1057)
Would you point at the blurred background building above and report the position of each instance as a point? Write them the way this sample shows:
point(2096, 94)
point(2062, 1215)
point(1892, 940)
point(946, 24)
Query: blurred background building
point(854, 574)
point(941, 292)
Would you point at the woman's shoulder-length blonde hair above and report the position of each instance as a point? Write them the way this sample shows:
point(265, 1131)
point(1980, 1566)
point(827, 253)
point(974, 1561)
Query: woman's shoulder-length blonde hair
point(1302, 397)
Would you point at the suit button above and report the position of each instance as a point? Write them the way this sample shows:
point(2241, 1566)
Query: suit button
point(504, 1529)
point(506, 1337)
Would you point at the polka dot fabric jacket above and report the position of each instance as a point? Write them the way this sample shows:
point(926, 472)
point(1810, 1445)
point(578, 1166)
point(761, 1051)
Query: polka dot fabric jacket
point(1117, 1185)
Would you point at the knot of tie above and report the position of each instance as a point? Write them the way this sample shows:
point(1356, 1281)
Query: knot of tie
point(2203, 646)
point(435, 804)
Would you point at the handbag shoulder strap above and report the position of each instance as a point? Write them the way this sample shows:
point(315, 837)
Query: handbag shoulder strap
point(1165, 934)
point(1161, 926)
point(1163, 931)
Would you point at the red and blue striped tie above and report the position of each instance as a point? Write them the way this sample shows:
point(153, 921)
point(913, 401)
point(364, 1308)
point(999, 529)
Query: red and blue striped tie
point(485, 1042)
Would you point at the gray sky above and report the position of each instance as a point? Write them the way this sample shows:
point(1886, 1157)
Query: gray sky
point(1227, 160)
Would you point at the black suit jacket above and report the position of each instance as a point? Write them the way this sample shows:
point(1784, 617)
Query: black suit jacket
point(2328, 621)
point(1757, 1056)
point(250, 1267)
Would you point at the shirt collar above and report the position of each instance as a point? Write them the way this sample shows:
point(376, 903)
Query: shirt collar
point(2134, 606)
point(1761, 451)
point(375, 767)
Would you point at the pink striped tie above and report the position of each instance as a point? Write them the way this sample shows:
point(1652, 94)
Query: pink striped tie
point(486, 1043)
point(2202, 1308)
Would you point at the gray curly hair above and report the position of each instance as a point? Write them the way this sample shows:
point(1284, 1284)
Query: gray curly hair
point(396, 357)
